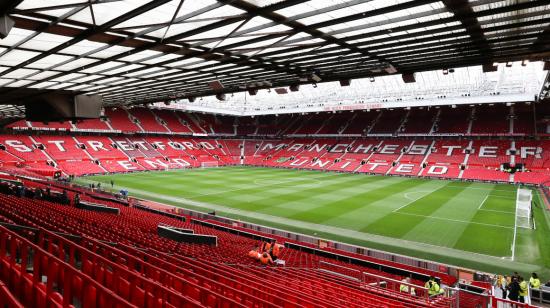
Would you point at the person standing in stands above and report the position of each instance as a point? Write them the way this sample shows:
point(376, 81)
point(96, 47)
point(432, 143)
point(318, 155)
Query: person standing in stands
point(404, 286)
point(534, 281)
point(503, 283)
point(275, 250)
point(76, 199)
point(523, 289)
point(38, 194)
point(513, 290)
point(267, 247)
point(20, 192)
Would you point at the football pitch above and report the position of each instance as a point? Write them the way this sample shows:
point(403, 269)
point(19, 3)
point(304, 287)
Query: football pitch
point(460, 223)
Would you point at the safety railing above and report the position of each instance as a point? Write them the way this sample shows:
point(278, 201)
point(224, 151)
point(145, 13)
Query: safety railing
point(540, 296)
point(341, 270)
point(406, 289)
point(505, 303)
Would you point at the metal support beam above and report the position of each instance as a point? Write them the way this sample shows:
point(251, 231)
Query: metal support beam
point(464, 13)
point(7, 6)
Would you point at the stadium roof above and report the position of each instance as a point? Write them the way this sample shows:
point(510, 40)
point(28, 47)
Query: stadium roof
point(144, 51)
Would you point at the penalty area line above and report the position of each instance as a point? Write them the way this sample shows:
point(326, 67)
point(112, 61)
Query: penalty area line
point(483, 202)
point(412, 201)
point(456, 220)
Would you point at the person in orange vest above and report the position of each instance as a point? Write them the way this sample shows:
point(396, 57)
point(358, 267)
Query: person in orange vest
point(267, 247)
point(275, 250)
point(265, 259)
point(254, 254)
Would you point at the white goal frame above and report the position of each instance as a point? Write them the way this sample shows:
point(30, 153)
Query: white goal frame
point(523, 219)
point(210, 164)
point(524, 199)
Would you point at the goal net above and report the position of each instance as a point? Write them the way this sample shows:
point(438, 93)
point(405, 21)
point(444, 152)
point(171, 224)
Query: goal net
point(209, 164)
point(523, 208)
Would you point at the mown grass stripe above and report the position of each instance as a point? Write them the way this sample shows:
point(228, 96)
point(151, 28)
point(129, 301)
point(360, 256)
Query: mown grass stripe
point(401, 224)
point(334, 209)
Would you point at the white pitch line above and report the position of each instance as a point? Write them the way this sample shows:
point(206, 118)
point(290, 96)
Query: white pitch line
point(317, 179)
point(482, 202)
point(456, 220)
point(506, 212)
point(478, 188)
point(412, 201)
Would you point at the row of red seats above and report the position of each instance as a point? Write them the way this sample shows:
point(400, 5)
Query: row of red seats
point(438, 158)
point(36, 278)
point(482, 120)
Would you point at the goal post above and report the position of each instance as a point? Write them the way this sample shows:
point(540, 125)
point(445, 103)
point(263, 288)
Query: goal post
point(524, 200)
point(209, 164)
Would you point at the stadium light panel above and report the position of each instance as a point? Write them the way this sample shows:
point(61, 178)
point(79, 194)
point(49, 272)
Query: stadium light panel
point(281, 90)
point(315, 77)
point(294, 88)
point(409, 77)
point(345, 82)
point(216, 85)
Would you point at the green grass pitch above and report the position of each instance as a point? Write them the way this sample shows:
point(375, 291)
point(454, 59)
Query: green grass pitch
point(461, 223)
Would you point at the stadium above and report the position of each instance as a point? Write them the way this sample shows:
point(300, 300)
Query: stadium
point(275, 153)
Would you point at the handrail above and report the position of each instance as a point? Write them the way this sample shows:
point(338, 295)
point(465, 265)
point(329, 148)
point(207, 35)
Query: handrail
point(395, 281)
point(7, 299)
point(134, 279)
point(368, 263)
point(16, 244)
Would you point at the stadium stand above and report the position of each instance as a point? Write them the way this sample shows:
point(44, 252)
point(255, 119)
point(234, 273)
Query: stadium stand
point(268, 125)
point(172, 121)
point(491, 120)
point(93, 252)
point(120, 120)
point(93, 125)
point(419, 121)
point(453, 121)
point(389, 121)
point(148, 120)
point(479, 159)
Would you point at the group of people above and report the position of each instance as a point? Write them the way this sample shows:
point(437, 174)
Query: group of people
point(433, 287)
point(22, 191)
point(266, 252)
point(515, 288)
point(97, 186)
